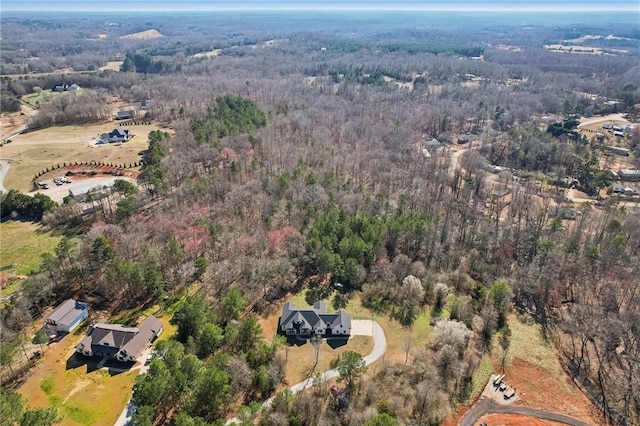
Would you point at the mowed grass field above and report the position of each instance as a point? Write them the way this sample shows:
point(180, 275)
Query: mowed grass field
point(82, 395)
point(35, 151)
point(23, 243)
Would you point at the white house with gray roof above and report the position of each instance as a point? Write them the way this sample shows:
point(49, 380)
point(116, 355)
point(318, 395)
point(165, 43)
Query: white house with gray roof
point(313, 322)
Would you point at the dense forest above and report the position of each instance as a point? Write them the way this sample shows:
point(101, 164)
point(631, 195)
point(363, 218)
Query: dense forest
point(294, 163)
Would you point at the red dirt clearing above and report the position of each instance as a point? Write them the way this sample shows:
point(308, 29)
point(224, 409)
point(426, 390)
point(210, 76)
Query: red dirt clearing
point(538, 388)
point(514, 420)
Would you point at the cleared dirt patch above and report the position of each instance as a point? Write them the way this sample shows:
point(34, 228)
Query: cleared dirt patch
point(209, 54)
point(533, 371)
point(112, 65)
point(142, 35)
point(515, 420)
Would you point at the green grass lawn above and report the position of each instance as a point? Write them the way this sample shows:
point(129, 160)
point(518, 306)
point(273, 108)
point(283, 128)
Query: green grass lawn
point(23, 243)
point(37, 99)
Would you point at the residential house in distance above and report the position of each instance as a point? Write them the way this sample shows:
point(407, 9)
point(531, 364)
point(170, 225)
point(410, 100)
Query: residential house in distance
point(65, 88)
point(125, 115)
point(116, 135)
point(118, 341)
point(313, 322)
point(67, 316)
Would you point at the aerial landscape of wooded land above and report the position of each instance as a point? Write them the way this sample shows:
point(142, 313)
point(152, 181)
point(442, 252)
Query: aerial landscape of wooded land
point(320, 218)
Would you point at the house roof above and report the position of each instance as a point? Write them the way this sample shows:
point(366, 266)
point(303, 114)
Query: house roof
point(119, 132)
point(114, 338)
point(66, 312)
point(314, 318)
point(149, 328)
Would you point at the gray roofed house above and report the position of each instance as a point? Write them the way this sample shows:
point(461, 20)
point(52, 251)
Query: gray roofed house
point(313, 322)
point(116, 135)
point(67, 316)
point(119, 341)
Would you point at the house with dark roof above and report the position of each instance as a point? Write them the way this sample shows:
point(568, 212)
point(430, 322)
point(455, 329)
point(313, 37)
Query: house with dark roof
point(313, 322)
point(116, 135)
point(118, 341)
point(66, 316)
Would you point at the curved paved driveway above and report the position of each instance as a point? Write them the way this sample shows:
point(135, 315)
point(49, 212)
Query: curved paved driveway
point(486, 406)
point(4, 168)
point(358, 328)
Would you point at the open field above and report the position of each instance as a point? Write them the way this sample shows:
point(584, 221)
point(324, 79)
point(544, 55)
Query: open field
point(37, 99)
point(583, 49)
point(74, 389)
point(209, 54)
point(22, 243)
point(142, 35)
point(112, 66)
point(35, 151)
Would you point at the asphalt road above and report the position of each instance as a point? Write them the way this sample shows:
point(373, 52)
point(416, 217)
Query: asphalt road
point(486, 406)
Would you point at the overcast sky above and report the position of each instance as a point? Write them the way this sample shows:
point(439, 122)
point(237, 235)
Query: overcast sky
point(198, 5)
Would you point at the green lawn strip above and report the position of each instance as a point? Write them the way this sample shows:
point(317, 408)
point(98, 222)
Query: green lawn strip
point(23, 243)
point(480, 378)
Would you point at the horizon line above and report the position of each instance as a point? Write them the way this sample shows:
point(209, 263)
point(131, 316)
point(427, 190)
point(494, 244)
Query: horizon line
point(235, 9)
point(115, 6)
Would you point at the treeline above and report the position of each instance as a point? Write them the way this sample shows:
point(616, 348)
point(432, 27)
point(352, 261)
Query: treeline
point(71, 108)
point(146, 63)
point(436, 49)
point(16, 205)
point(219, 356)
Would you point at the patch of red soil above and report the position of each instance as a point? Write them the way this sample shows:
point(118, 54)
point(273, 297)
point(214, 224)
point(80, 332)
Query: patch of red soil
point(514, 420)
point(539, 388)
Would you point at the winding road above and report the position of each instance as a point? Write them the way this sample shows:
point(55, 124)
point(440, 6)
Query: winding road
point(485, 406)
point(358, 328)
